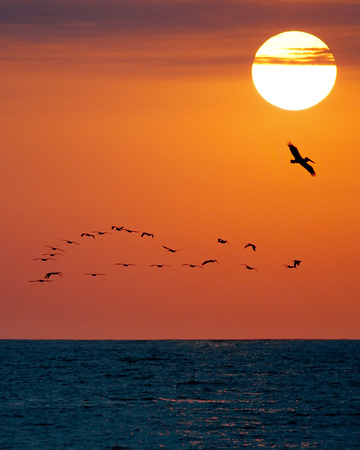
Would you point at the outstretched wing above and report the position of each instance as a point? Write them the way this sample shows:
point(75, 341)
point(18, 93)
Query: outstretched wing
point(309, 168)
point(295, 152)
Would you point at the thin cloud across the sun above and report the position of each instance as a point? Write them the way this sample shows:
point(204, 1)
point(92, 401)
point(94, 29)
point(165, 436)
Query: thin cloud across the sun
point(301, 56)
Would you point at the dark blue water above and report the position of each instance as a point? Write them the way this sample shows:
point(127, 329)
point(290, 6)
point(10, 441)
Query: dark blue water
point(179, 394)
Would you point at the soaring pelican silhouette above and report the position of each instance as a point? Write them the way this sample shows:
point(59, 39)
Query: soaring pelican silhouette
point(101, 233)
point(193, 265)
point(69, 242)
point(49, 274)
point(93, 274)
point(88, 235)
point(40, 281)
point(210, 261)
point(300, 160)
point(249, 267)
point(54, 249)
point(124, 264)
point(147, 234)
point(159, 265)
point(222, 241)
point(117, 228)
point(171, 250)
point(130, 231)
point(52, 254)
point(44, 259)
point(251, 245)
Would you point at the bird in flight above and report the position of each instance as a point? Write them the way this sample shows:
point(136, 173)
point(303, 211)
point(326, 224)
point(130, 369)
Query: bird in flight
point(69, 242)
point(93, 274)
point(193, 265)
point(249, 267)
point(49, 274)
point(88, 235)
point(117, 228)
point(300, 160)
point(130, 231)
point(222, 241)
point(147, 234)
point(251, 245)
point(210, 261)
point(289, 266)
point(171, 250)
point(159, 265)
point(52, 254)
point(55, 249)
point(40, 281)
point(101, 233)
point(44, 259)
point(124, 264)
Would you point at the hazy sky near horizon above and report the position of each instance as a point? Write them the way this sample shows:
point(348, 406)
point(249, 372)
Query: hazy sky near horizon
point(143, 114)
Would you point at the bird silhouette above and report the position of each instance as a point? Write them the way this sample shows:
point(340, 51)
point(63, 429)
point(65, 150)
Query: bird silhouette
point(88, 235)
point(44, 259)
point(147, 234)
point(117, 228)
point(193, 265)
point(130, 231)
point(171, 250)
point(159, 265)
point(289, 266)
point(296, 262)
point(125, 264)
point(300, 160)
point(40, 281)
point(249, 267)
point(49, 274)
point(67, 241)
point(55, 249)
point(251, 245)
point(52, 254)
point(101, 233)
point(222, 241)
point(210, 261)
point(93, 274)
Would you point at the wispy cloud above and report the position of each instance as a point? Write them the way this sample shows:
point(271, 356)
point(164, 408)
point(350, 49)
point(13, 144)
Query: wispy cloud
point(299, 56)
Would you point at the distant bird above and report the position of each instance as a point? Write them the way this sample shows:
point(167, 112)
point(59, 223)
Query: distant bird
point(117, 228)
point(40, 281)
point(296, 262)
point(171, 250)
point(93, 274)
point(159, 265)
point(222, 241)
point(288, 266)
point(69, 242)
point(130, 231)
point(251, 245)
point(147, 234)
point(49, 274)
point(300, 160)
point(101, 233)
point(125, 264)
point(53, 254)
point(210, 261)
point(88, 235)
point(55, 249)
point(249, 267)
point(193, 265)
point(44, 259)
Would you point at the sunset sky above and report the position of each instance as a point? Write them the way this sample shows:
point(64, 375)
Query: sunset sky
point(143, 114)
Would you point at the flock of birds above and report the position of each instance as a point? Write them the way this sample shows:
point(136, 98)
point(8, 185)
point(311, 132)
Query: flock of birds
point(53, 252)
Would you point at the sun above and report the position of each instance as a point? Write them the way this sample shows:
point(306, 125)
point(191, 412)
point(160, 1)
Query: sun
point(294, 70)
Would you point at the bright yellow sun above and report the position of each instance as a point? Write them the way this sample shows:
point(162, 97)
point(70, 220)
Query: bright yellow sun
point(294, 70)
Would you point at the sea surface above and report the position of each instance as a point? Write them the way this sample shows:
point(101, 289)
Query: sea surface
point(179, 394)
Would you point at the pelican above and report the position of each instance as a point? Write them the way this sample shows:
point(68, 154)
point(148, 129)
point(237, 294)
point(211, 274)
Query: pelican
point(296, 262)
point(124, 264)
point(49, 274)
point(117, 228)
point(147, 234)
point(52, 254)
point(40, 281)
point(159, 265)
point(222, 241)
point(251, 245)
point(44, 259)
point(69, 242)
point(249, 267)
point(300, 160)
point(171, 250)
point(93, 274)
point(101, 233)
point(193, 265)
point(88, 234)
point(55, 249)
point(210, 261)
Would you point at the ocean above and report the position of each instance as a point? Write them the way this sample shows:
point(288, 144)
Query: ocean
point(204, 394)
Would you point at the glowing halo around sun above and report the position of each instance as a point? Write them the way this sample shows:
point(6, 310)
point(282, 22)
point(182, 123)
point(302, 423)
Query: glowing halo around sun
point(294, 70)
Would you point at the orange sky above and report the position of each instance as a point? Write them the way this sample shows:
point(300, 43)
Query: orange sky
point(144, 115)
